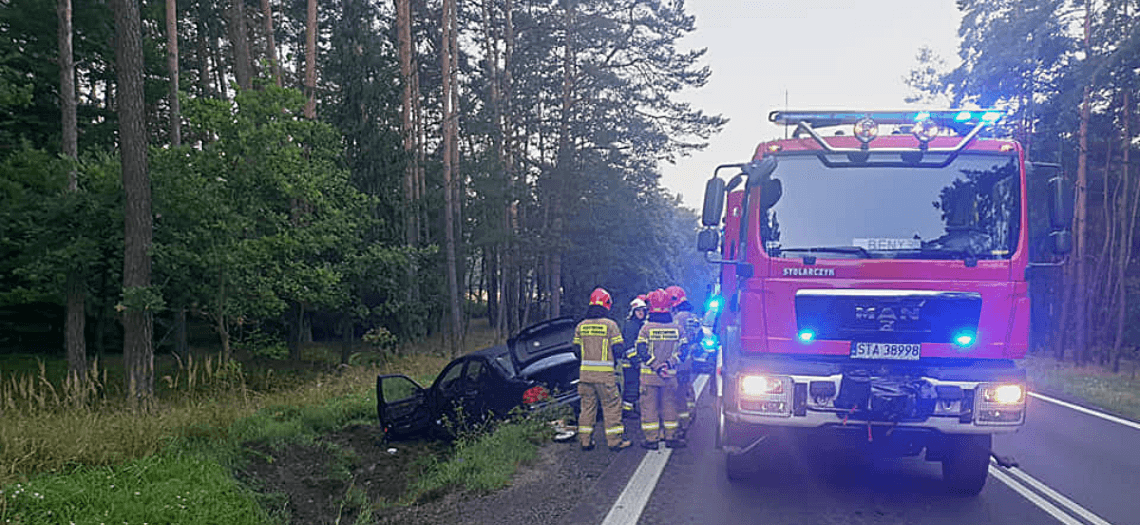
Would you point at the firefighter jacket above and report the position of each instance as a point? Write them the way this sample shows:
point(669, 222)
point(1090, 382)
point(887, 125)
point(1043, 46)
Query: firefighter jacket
point(661, 345)
point(629, 333)
point(600, 339)
point(691, 334)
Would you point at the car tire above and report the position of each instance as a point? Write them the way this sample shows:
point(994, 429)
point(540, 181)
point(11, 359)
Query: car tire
point(966, 466)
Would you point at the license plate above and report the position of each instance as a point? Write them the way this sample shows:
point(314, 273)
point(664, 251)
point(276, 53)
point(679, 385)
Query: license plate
point(895, 351)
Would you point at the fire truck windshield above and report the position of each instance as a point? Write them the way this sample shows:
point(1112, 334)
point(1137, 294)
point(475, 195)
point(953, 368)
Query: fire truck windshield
point(969, 208)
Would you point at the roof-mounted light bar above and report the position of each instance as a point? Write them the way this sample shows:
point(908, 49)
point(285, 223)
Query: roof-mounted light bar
point(943, 118)
point(924, 125)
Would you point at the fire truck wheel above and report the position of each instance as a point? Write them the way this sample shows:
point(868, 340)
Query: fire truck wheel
point(739, 467)
point(966, 467)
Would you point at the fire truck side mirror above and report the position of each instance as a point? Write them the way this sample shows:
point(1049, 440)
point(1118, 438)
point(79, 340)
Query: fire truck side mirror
point(770, 193)
point(708, 240)
point(1061, 205)
point(714, 202)
point(1062, 242)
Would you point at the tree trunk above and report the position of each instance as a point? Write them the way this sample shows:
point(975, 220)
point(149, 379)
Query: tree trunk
point(270, 41)
point(1081, 209)
point(243, 67)
point(311, 60)
point(203, 53)
point(181, 335)
point(220, 325)
point(76, 317)
point(348, 337)
point(1128, 231)
point(404, 38)
point(138, 350)
point(565, 164)
point(172, 67)
point(446, 64)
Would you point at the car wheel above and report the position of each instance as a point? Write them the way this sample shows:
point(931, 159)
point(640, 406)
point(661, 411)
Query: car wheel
point(966, 467)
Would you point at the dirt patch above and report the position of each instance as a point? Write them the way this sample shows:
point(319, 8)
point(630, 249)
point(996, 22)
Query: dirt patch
point(334, 479)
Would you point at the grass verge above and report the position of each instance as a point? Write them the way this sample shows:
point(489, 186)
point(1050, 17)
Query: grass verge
point(483, 463)
point(166, 488)
point(1118, 393)
point(66, 462)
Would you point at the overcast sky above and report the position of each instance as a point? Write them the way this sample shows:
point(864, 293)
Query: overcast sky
point(824, 54)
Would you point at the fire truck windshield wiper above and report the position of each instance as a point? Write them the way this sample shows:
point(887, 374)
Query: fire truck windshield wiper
point(853, 250)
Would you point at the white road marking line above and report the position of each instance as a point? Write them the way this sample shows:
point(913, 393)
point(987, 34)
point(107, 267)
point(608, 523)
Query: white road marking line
point(1088, 411)
point(1057, 496)
point(629, 505)
point(1033, 497)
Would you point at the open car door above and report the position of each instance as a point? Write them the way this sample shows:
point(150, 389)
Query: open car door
point(401, 404)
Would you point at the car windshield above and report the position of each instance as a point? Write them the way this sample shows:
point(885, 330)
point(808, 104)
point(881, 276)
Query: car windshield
point(884, 208)
point(503, 359)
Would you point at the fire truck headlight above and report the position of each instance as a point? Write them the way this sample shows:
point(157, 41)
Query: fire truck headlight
point(755, 386)
point(806, 336)
point(1004, 394)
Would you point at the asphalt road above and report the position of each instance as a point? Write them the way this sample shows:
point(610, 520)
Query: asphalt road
point(1074, 469)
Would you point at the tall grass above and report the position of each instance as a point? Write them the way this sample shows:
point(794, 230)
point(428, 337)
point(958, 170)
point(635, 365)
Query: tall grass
point(1094, 385)
point(47, 426)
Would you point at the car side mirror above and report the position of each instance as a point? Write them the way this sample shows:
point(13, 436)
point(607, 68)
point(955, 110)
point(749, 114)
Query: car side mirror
point(714, 202)
point(708, 240)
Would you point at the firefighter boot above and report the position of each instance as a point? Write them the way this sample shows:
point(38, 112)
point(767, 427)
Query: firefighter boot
point(620, 446)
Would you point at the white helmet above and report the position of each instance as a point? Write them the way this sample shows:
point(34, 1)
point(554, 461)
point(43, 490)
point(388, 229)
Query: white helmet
point(636, 303)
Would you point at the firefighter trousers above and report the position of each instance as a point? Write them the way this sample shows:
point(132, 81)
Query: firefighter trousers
point(607, 395)
point(686, 399)
point(631, 387)
point(659, 411)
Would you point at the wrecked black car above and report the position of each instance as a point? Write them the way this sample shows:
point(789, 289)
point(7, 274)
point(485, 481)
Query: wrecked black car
point(536, 369)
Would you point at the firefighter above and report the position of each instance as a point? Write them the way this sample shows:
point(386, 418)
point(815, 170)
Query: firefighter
point(657, 346)
point(631, 366)
point(597, 339)
point(691, 335)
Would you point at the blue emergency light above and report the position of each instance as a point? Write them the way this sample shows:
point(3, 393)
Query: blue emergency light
point(713, 304)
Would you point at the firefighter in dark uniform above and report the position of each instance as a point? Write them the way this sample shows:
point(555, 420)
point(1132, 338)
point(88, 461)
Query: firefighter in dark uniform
point(657, 346)
point(691, 335)
point(597, 339)
point(631, 365)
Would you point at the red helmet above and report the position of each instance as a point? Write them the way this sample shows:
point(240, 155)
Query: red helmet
point(676, 293)
point(659, 302)
point(601, 297)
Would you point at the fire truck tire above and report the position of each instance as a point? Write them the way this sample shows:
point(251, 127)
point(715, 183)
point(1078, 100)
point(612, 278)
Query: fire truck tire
point(966, 467)
point(739, 467)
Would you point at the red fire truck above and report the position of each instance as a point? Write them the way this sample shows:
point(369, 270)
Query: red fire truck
point(873, 270)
